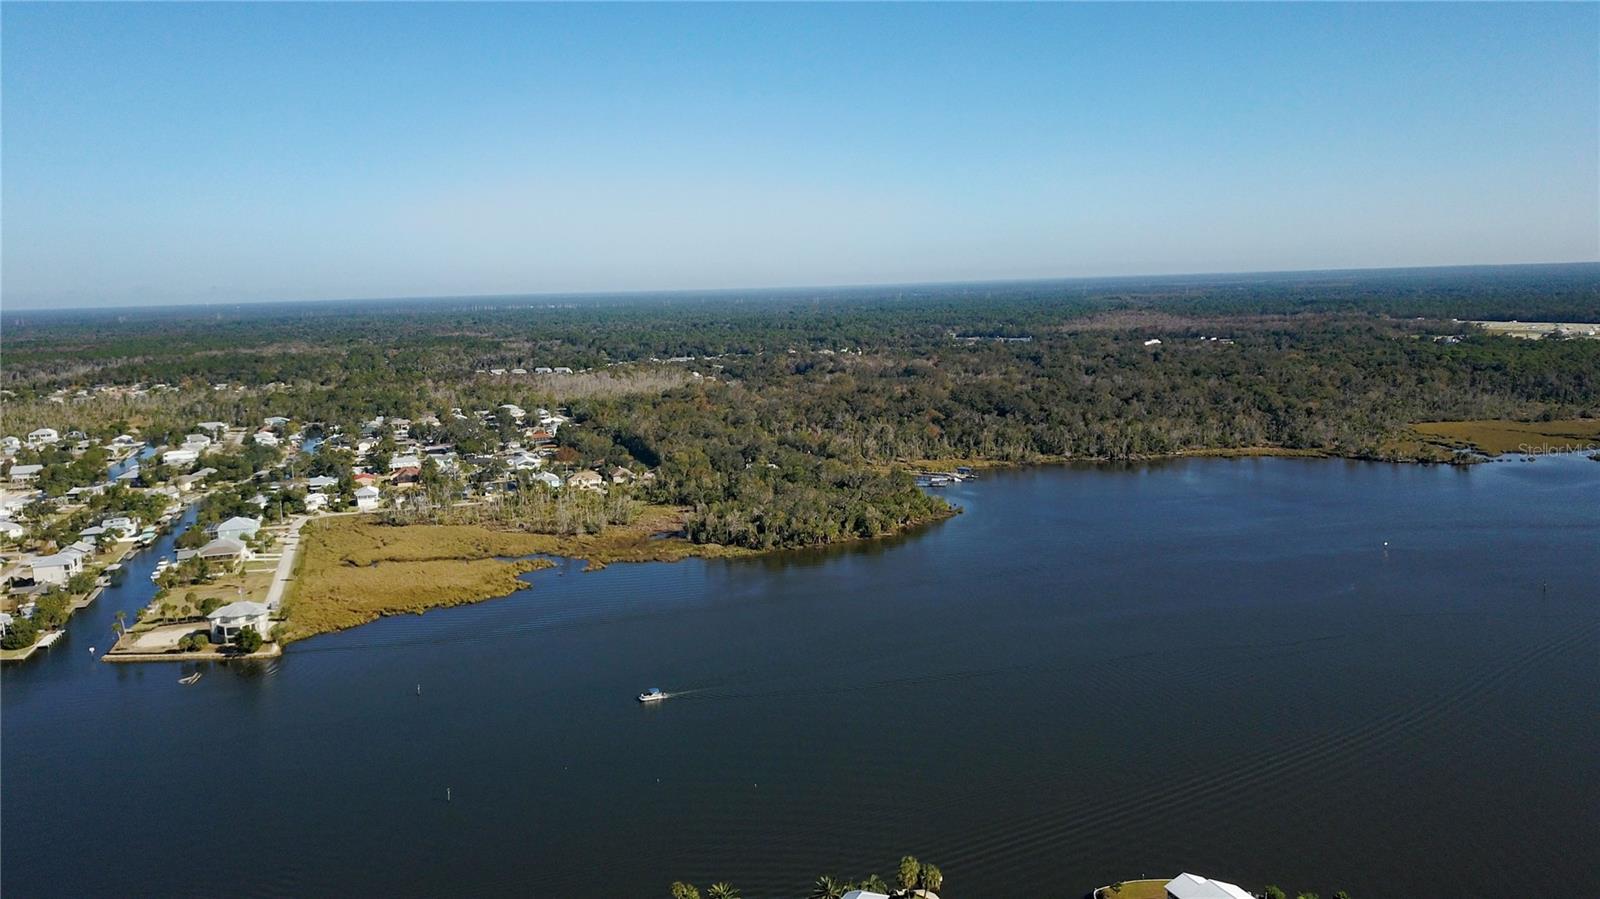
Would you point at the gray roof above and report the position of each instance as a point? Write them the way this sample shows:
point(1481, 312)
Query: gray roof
point(222, 546)
point(242, 609)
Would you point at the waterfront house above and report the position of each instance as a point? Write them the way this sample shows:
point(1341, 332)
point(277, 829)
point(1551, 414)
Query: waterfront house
point(57, 569)
point(22, 474)
point(226, 550)
point(43, 437)
point(367, 498)
point(196, 442)
point(238, 528)
point(586, 480)
point(1193, 886)
point(124, 527)
point(227, 621)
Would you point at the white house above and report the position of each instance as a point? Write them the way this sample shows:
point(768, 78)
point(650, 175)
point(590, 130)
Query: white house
point(316, 502)
point(215, 427)
point(125, 527)
point(367, 498)
point(1154, 341)
point(43, 437)
point(513, 410)
point(274, 421)
point(180, 458)
point(550, 479)
point(524, 462)
point(238, 528)
point(408, 461)
point(1193, 886)
point(57, 569)
point(196, 442)
point(11, 530)
point(10, 444)
point(266, 438)
point(21, 474)
point(5, 622)
point(322, 482)
point(586, 480)
point(227, 621)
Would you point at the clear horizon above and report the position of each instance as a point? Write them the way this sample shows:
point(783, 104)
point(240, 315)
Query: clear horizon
point(173, 155)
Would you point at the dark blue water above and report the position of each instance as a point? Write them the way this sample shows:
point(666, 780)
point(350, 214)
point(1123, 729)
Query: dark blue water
point(1092, 674)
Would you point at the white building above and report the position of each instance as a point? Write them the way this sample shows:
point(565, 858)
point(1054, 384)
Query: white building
point(322, 482)
point(21, 474)
point(266, 438)
point(1193, 886)
point(11, 530)
point(367, 498)
point(316, 502)
point(196, 442)
point(238, 528)
point(227, 621)
point(180, 458)
point(57, 569)
point(586, 480)
point(43, 437)
point(550, 479)
point(407, 461)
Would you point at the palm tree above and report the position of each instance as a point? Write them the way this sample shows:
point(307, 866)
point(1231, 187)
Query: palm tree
point(827, 888)
point(910, 872)
point(122, 623)
point(681, 890)
point(932, 878)
point(722, 890)
point(872, 883)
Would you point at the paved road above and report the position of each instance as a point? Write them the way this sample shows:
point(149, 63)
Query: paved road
point(291, 547)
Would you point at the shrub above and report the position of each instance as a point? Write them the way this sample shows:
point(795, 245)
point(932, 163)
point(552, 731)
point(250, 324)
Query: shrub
point(22, 634)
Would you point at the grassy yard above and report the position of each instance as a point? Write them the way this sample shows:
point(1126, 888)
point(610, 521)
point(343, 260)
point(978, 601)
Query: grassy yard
point(184, 601)
point(1136, 889)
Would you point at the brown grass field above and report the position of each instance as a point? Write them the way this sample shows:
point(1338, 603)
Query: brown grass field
point(353, 571)
point(1496, 437)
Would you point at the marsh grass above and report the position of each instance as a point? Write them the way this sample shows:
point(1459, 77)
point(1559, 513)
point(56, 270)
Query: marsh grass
point(1499, 436)
point(353, 571)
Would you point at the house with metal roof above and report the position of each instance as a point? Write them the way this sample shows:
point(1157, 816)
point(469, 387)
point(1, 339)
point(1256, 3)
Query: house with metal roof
point(1193, 886)
point(227, 621)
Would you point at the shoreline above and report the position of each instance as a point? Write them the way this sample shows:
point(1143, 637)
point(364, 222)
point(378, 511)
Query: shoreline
point(645, 541)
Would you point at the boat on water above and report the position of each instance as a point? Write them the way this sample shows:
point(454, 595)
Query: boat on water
point(161, 568)
point(186, 681)
point(653, 694)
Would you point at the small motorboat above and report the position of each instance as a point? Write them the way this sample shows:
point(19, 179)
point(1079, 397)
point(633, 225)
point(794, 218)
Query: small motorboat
point(653, 694)
point(186, 681)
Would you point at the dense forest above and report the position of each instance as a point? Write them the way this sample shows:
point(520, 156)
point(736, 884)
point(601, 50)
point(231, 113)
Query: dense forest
point(781, 418)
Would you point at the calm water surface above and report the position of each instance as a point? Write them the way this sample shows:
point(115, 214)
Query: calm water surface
point(1092, 674)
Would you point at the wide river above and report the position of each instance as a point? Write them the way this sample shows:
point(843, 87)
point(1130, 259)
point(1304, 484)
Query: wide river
point(1324, 674)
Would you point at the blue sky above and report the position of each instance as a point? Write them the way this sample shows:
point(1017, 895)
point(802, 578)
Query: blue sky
point(222, 153)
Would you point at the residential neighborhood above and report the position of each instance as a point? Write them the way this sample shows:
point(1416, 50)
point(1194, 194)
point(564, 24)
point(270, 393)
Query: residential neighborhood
point(72, 507)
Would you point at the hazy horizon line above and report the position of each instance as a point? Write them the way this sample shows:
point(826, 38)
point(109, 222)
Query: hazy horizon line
point(7, 308)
